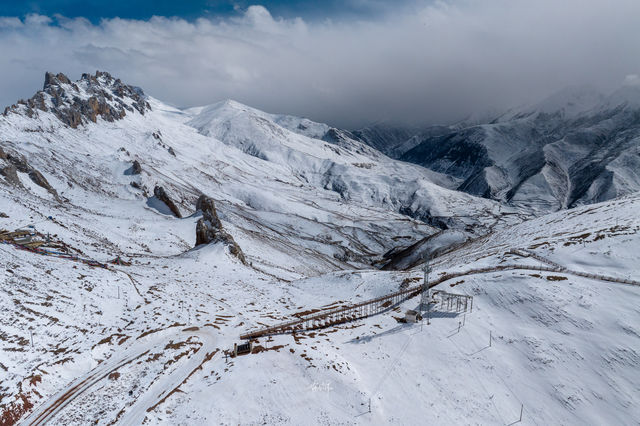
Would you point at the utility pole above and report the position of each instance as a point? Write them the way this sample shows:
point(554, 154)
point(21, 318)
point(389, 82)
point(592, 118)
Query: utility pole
point(426, 291)
point(521, 408)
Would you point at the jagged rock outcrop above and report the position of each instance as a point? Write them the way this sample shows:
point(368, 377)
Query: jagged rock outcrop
point(209, 228)
point(10, 173)
point(207, 207)
point(14, 163)
point(162, 195)
point(135, 168)
point(40, 180)
point(77, 103)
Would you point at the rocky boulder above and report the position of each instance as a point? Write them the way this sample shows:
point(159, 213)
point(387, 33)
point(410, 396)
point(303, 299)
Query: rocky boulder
point(40, 180)
point(209, 228)
point(162, 195)
point(17, 163)
point(10, 174)
point(135, 168)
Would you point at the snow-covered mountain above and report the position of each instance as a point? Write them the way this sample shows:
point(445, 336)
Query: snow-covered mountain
point(576, 147)
point(224, 218)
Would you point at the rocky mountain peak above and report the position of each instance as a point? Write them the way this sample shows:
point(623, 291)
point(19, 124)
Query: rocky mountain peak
point(51, 79)
point(83, 101)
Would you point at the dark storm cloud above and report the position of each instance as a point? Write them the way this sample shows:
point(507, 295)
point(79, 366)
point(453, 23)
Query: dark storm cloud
point(423, 63)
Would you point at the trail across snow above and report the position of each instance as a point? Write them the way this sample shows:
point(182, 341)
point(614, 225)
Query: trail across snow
point(162, 387)
point(135, 414)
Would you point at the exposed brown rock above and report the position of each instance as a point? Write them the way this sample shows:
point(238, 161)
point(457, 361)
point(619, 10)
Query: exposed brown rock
point(10, 174)
point(208, 208)
point(40, 180)
point(162, 195)
point(209, 228)
point(54, 80)
point(136, 168)
point(110, 99)
point(18, 163)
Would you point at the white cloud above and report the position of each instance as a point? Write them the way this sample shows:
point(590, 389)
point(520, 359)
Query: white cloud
point(10, 22)
point(632, 80)
point(431, 63)
point(36, 20)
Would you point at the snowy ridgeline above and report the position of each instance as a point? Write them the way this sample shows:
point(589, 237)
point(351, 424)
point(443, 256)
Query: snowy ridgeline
point(314, 218)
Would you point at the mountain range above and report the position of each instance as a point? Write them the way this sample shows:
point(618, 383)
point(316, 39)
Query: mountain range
point(576, 147)
point(139, 241)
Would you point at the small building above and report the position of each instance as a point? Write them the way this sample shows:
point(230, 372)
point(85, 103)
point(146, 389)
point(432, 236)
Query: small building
point(242, 349)
point(412, 316)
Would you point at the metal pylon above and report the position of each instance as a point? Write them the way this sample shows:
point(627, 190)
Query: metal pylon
point(425, 295)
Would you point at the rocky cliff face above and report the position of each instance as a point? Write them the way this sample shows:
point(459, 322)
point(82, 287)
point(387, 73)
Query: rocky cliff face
point(83, 101)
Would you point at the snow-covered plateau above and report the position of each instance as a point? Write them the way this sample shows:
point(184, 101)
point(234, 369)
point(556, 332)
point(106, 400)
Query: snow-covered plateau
point(154, 237)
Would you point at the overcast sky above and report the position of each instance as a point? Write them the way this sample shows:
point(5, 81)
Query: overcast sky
point(419, 62)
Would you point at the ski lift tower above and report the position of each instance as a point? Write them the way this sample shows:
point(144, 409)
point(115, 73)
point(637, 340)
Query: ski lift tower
point(425, 295)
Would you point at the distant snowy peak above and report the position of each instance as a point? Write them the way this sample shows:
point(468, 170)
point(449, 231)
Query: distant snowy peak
point(627, 96)
point(276, 138)
point(576, 147)
point(77, 103)
point(204, 116)
point(578, 101)
point(571, 101)
point(228, 108)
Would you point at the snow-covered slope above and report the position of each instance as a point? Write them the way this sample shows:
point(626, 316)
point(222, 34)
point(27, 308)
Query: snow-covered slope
point(313, 216)
point(351, 169)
